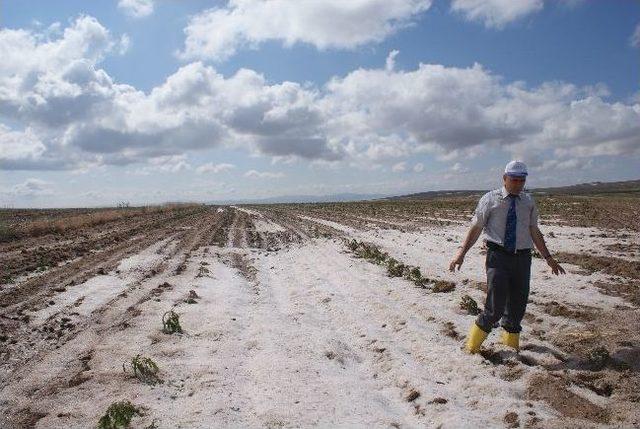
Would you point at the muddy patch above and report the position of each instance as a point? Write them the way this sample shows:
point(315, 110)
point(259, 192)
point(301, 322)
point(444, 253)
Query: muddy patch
point(555, 392)
point(607, 264)
point(629, 291)
point(583, 313)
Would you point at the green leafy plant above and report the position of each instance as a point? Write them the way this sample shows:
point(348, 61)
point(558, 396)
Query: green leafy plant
point(415, 275)
point(443, 286)
point(119, 415)
point(366, 251)
point(144, 369)
point(171, 323)
point(469, 305)
point(396, 268)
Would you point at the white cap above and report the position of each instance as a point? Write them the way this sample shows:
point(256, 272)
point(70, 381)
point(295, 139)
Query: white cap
point(516, 168)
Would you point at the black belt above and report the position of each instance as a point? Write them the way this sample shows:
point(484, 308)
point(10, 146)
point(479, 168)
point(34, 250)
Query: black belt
point(495, 246)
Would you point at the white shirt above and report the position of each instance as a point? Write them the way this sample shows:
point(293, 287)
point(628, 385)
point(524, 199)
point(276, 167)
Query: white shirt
point(491, 215)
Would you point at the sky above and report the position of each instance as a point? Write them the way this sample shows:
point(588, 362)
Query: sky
point(153, 101)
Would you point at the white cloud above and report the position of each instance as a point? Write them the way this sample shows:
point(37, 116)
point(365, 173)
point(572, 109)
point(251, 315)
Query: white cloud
point(136, 8)
point(218, 33)
point(263, 175)
point(399, 167)
point(565, 164)
point(214, 168)
point(18, 146)
point(455, 112)
point(71, 114)
point(125, 44)
point(418, 168)
point(164, 164)
point(459, 168)
point(496, 13)
point(390, 63)
point(32, 188)
point(635, 37)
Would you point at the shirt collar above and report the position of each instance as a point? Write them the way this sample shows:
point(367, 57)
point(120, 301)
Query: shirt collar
point(505, 194)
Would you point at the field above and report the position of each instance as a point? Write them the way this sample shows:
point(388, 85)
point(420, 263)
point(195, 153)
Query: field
point(301, 315)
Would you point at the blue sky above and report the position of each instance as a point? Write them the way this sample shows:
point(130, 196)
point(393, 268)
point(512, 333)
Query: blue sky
point(152, 101)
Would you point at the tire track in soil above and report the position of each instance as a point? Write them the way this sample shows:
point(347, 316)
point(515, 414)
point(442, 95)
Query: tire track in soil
point(284, 346)
point(273, 336)
point(188, 240)
point(302, 228)
point(80, 270)
point(107, 321)
point(388, 334)
point(31, 252)
point(306, 341)
point(512, 366)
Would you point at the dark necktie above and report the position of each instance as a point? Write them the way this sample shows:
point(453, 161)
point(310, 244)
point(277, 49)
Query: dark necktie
point(510, 229)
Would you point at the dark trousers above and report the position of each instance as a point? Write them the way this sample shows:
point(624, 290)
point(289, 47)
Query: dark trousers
point(508, 278)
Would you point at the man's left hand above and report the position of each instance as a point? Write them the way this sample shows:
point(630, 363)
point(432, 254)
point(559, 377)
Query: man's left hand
point(555, 267)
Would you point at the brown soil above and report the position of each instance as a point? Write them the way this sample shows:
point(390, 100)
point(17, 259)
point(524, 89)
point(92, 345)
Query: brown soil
point(24, 342)
point(608, 265)
point(630, 290)
point(584, 314)
point(554, 390)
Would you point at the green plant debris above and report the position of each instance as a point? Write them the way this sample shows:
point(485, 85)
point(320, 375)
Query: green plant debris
point(119, 415)
point(599, 357)
point(144, 369)
point(171, 323)
point(395, 268)
point(441, 286)
point(369, 252)
point(469, 305)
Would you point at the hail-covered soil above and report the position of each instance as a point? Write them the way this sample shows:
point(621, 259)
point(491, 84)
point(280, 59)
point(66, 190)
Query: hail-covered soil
point(288, 322)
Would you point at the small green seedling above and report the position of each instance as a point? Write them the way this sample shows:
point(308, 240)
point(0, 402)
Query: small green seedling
point(469, 304)
point(171, 323)
point(144, 369)
point(119, 415)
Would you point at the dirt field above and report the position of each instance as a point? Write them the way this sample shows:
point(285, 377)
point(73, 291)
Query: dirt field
point(314, 315)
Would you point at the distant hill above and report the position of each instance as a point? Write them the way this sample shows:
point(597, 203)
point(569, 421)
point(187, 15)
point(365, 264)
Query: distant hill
point(628, 186)
point(304, 199)
point(632, 186)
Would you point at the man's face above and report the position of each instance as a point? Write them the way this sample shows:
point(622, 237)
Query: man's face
point(514, 185)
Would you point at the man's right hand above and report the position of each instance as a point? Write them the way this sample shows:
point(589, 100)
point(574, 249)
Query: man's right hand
point(458, 260)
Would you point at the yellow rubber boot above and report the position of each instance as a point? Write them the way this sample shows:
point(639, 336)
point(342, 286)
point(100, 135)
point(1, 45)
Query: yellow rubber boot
point(511, 340)
point(475, 338)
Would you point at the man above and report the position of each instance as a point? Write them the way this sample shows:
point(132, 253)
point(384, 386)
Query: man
point(508, 219)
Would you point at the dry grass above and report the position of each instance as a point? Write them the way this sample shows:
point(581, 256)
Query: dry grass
point(65, 224)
